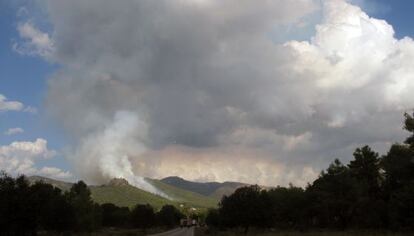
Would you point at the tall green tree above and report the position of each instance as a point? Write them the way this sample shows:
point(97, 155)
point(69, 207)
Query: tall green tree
point(87, 213)
point(366, 169)
point(333, 195)
point(370, 208)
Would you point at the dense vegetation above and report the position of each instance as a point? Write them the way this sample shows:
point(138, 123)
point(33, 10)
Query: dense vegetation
point(26, 209)
point(371, 192)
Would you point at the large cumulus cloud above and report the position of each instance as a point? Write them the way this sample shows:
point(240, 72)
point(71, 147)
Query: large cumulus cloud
point(205, 85)
point(21, 157)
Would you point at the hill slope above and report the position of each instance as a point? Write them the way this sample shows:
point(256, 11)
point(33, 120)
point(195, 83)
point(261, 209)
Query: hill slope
point(116, 192)
point(211, 189)
point(121, 193)
point(126, 195)
point(184, 196)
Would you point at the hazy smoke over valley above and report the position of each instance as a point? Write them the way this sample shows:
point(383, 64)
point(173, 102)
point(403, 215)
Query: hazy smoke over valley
point(263, 92)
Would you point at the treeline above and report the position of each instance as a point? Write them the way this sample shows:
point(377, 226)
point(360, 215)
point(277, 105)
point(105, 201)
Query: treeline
point(26, 209)
point(370, 192)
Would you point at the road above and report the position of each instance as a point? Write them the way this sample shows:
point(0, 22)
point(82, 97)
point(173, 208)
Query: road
point(177, 232)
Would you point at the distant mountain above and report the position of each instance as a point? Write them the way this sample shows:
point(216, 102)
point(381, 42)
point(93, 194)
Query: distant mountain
point(119, 192)
point(210, 189)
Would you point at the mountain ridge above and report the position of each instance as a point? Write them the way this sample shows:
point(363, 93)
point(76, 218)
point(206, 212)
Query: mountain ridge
point(119, 192)
point(210, 189)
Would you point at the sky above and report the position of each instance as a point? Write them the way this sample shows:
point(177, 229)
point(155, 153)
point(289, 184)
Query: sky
point(208, 90)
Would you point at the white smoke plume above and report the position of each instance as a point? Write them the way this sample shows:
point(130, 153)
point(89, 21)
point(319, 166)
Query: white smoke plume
point(208, 90)
point(109, 151)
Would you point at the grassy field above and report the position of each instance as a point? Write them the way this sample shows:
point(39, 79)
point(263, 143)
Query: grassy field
point(205, 232)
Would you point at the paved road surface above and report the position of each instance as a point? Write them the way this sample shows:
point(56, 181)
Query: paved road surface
point(177, 232)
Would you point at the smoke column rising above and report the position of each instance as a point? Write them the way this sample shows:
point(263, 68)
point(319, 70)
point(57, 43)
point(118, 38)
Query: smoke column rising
point(108, 150)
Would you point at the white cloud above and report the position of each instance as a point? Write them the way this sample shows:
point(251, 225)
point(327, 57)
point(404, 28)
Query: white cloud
point(20, 158)
point(358, 67)
point(6, 105)
point(34, 41)
point(13, 131)
point(27, 150)
point(54, 173)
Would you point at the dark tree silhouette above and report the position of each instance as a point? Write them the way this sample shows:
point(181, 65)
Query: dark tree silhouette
point(87, 214)
point(287, 206)
point(213, 218)
point(365, 168)
point(334, 196)
point(398, 165)
point(169, 216)
point(409, 126)
point(53, 211)
point(370, 208)
point(246, 207)
point(143, 216)
point(401, 208)
point(114, 216)
point(17, 214)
